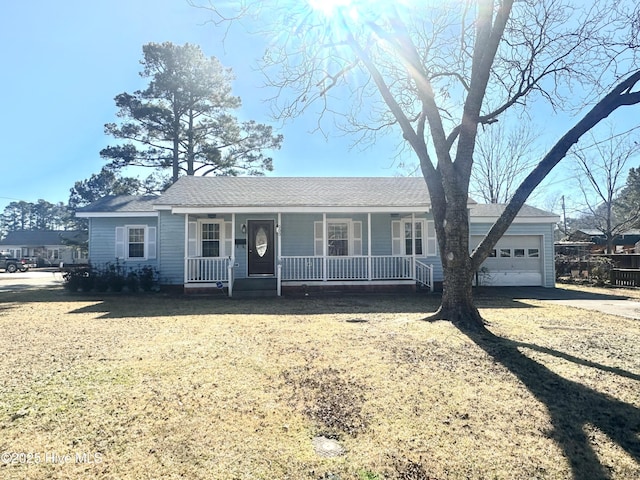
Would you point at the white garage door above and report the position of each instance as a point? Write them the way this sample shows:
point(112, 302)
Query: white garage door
point(515, 261)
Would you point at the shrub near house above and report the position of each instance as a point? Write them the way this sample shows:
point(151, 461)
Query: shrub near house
point(111, 277)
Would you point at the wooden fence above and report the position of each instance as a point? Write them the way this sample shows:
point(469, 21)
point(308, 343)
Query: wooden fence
point(625, 277)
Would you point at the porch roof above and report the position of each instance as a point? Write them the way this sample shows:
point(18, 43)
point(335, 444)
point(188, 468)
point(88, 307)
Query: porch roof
point(234, 194)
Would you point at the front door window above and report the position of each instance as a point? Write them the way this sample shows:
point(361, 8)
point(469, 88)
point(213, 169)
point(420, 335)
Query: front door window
point(262, 242)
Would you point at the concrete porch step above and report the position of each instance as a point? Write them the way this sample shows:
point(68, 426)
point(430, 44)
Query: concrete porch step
point(255, 287)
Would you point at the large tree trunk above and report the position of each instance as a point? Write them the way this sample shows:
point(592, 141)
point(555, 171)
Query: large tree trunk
point(453, 238)
point(457, 298)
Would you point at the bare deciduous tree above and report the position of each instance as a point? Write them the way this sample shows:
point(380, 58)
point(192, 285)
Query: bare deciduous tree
point(503, 158)
point(601, 171)
point(437, 71)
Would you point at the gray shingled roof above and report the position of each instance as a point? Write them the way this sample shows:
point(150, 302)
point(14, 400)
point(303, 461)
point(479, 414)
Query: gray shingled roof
point(38, 238)
point(122, 203)
point(496, 209)
point(296, 191)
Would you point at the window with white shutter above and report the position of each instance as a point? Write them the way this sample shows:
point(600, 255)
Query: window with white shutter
point(344, 238)
point(136, 242)
point(210, 238)
point(418, 236)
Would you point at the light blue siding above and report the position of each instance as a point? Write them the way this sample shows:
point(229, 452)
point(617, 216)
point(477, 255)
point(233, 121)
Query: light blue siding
point(171, 249)
point(297, 234)
point(102, 241)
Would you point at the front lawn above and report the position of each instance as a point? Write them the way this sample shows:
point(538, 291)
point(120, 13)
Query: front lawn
point(155, 386)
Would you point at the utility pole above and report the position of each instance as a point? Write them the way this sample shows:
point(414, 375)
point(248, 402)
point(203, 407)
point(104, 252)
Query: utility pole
point(564, 216)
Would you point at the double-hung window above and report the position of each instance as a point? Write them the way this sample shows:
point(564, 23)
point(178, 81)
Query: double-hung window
point(338, 239)
point(344, 238)
point(413, 238)
point(416, 237)
point(210, 239)
point(136, 242)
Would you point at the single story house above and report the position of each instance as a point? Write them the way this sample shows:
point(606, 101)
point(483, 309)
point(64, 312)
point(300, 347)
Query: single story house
point(282, 234)
point(47, 247)
point(624, 242)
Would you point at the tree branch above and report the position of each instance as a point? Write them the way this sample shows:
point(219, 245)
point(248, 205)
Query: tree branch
point(620, 95)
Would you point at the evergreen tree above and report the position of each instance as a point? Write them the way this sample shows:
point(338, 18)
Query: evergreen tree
point(183, 119)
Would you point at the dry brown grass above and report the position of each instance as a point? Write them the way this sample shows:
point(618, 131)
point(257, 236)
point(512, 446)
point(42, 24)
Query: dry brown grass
point(173, 387)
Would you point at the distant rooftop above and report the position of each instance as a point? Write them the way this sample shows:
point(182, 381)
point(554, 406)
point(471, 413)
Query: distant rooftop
point(38, 238)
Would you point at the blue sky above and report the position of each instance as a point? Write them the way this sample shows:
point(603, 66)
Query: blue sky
point(64, 62)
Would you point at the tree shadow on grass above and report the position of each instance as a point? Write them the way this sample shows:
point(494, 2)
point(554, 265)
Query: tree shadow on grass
point(571, 406)
point(159, 304)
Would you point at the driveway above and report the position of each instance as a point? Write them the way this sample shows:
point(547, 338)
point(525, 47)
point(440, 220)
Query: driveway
point(611, 303)
point(30, 279)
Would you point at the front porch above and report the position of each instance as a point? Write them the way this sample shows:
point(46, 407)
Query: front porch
point(218, 272)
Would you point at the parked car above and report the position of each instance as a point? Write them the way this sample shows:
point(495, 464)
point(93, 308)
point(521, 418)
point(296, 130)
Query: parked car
point(11, 265)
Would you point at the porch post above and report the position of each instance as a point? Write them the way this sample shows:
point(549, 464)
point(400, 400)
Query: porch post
point(324, 247)
point(369, 246)
point(186, 247)
point(279, 256)
point(232, 257)
point(413, 244)
point(431, 278)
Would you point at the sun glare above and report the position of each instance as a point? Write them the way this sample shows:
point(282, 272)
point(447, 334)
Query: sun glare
point(329, 7)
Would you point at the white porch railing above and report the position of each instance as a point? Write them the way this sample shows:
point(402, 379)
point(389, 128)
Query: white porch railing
point(385, 267)
point(424, 274)
point(311, 268)
point(206, 269)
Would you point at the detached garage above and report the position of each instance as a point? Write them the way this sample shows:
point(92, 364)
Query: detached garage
point(524, 256)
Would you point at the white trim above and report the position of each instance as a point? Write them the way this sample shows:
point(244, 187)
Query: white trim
point(279, 256)
point(232, 254)
point(344, 283)
point(278, 229)
point(325, 246)
point(194, 285)
point(492, 220)
point(302, 209)
point(369, 244)
point(423, 228)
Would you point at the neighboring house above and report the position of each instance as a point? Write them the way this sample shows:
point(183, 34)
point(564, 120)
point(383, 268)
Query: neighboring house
point(47, 247)
point(301, 233)
point(624, 242)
